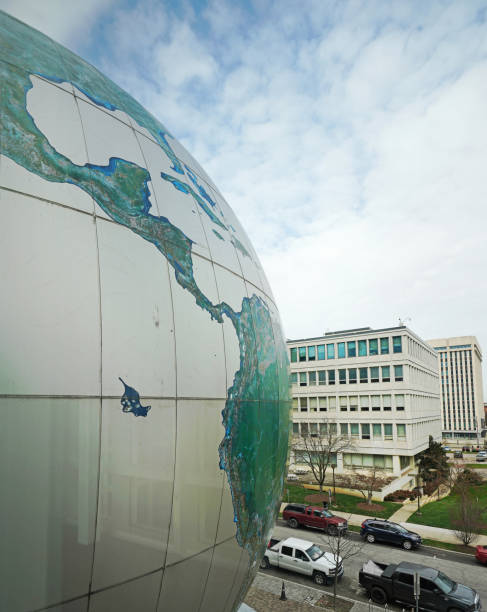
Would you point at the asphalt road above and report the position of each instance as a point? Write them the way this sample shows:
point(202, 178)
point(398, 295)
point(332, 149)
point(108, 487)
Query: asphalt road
point(460, 567)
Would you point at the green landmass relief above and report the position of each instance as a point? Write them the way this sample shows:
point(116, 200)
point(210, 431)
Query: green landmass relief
point(253, 451)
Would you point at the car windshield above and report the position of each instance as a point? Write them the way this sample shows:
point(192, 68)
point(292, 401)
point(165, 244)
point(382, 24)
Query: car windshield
point(444, 583)
point(327, 514)
point(315, 552)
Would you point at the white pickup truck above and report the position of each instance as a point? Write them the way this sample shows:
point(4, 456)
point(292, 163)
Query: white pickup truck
point(303, 557)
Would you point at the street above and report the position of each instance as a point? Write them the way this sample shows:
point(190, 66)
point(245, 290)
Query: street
point(460, 567)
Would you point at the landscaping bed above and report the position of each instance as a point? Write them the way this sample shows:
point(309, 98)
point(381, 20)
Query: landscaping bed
point(343, 502)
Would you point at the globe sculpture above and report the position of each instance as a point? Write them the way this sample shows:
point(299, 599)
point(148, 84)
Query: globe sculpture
point(143, 382)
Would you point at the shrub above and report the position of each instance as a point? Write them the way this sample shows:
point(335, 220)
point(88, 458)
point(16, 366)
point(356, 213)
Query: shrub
point(469, 478)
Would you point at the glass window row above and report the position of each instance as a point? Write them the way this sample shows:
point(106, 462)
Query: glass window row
point(349, 403)
point(351, 376)
point(352, 348)
point(363, 431)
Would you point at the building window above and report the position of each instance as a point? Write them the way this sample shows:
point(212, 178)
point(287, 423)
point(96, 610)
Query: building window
point(294, 378)
point(373, 347)
point(365, 431)
point(321, 351)
point(311, 353)
point(302, 353)
point(404, 462)
point(302, 379)
point(386, 402)
point(353, 403)
point(331, 377)
point(344, 429)
point(312, 404)
point(354, 430)
point(332, 404)
point(342, 376)
point(399, 402)
point(341, 350)
point(398, 373)
point(294, 355)
point(322, 377)
point(343, 403)
point(384, 346)
point(364, 378)
point(386, 373)
point(303, 404)
point(295, 404)
point(374, 374)
point(322, 403)
point(376, 403)
point(364, 403)
point(330, 351)
point(304, 429)
point(313, 428)
point(296, 428)
point(397, 344)
point(312, 378)
point(352, 349)
point(387, 431)
point(362, 348)
point(401, 431)
point(377, 431)
point(352, 376)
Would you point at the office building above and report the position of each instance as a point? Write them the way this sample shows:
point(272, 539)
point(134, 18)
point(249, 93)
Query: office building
point(379, 387)
point(460, 368)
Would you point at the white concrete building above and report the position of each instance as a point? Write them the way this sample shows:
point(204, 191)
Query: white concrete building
point(461, 391)
point(379, 386)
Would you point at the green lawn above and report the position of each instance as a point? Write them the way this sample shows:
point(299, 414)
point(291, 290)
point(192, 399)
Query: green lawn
point(437, 513)
point(344, 503)
point(474, 466)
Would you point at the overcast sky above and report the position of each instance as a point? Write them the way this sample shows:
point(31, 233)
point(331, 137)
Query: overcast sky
point(349, 137)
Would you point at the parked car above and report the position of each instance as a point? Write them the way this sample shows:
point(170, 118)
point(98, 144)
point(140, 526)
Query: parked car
point(313, 516)
point(457, 454)
point(447, 449)
point(292, 476)
point(482, 456)
point(378, 530)
point(481, 553)
point(303, 557)
point(395, 582)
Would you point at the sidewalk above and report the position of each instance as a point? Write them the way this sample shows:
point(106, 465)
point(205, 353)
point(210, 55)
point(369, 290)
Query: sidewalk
point(425, 531)
point(264, 596)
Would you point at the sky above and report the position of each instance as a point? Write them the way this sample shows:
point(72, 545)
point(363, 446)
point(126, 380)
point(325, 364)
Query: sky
point(349, 137)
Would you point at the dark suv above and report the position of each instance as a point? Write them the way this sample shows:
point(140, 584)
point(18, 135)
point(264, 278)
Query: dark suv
point(377, 530)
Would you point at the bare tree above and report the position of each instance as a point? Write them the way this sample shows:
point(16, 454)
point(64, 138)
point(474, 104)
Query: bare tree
point(466, 516)
point(368, 482)
point(319, 450)
point(342, 547)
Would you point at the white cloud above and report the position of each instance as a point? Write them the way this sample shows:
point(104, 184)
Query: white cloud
point(67, 23)
point(349, 138)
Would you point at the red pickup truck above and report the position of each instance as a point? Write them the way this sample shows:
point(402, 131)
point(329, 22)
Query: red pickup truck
point(314, 516)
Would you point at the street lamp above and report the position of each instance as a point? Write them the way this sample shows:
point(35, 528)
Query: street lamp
point(419, 489)
point(333, 468)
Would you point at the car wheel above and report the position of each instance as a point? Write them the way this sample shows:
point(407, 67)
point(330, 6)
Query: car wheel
point(319, 578)
point(370, 537)
point(407, 545)
point(264, 564)
point(378, 595)
point(292, 522)
point(332, 530)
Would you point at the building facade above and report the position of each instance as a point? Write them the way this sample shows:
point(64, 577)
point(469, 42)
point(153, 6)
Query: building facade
point(379, 387)
point(461, 392)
